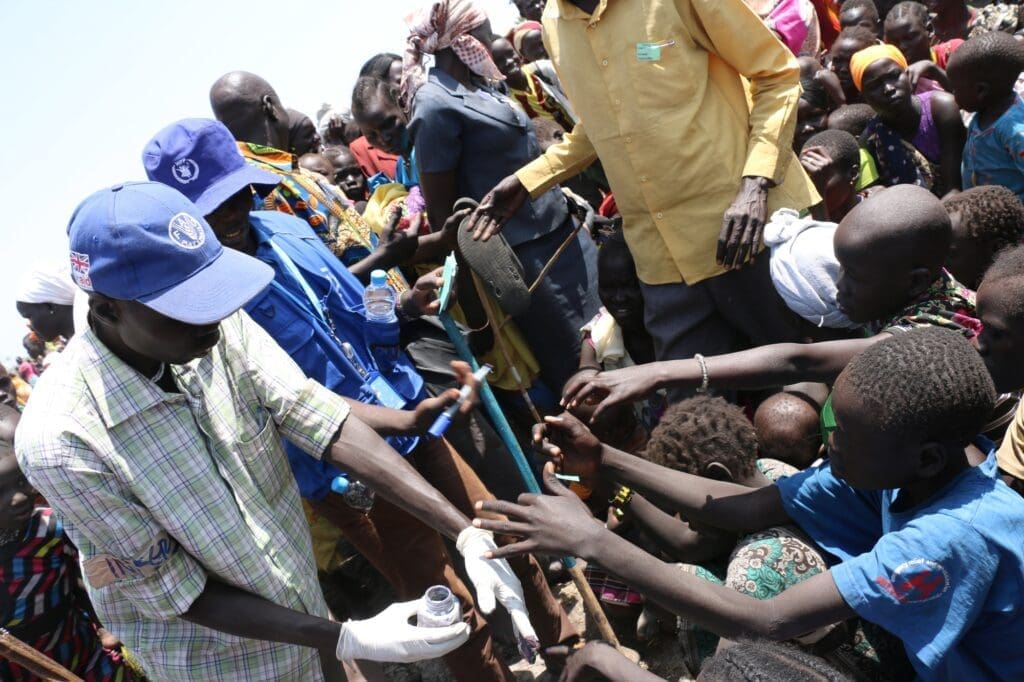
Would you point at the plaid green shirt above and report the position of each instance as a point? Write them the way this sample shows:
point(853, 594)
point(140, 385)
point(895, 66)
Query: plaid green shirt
point(160, 490)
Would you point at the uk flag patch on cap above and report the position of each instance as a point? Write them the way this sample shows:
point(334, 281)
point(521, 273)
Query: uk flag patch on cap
point(80, 270)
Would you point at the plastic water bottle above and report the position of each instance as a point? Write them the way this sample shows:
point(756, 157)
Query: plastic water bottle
point(438, 608)
point(379, 299)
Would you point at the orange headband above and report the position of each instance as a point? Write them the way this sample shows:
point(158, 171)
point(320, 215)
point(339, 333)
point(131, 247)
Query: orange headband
point(860, 61)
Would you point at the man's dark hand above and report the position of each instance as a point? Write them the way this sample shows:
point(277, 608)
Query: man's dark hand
point(556, 523)
point(606, 389)
point(743, 224)
point(422, 299)
point(570, 445)
point(497, 208)
point(428, 409)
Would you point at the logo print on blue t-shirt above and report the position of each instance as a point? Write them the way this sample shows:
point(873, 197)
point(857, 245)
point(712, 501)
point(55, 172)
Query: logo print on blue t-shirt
point(916, 581)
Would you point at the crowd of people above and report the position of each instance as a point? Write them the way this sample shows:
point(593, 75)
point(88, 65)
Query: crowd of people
point(748, 276)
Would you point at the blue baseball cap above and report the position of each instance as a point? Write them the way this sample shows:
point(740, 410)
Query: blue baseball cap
point(199, 158)
point(146, 242)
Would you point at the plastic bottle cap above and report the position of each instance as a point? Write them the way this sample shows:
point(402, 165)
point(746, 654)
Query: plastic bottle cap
point(339, 485)
point(378, 278)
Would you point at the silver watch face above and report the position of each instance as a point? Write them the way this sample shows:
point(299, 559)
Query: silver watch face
point(359, 496)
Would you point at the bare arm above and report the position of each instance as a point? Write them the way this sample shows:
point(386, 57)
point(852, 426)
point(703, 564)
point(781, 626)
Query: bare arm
point(675, 537)
point(762, 367)
point(803, 608)
point(952, 136)
point(440, 191)
point(225, 608)
point(719, 504)
point(358, 449)
point(560, 522)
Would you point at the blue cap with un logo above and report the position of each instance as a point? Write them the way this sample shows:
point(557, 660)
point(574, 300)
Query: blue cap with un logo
point(199, 157)
point(146, 242)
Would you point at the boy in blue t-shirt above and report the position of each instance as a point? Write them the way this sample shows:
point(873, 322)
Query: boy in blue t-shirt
point(922, 544)
point(982, 73)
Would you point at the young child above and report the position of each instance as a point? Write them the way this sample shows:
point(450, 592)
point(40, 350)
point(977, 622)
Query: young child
point(713, 439)
point(789, 429)
point(985, 220)
point(527, 40)
point(814, 104)
point(832, 160)
point(982, 74)
point(533, 85)
point(42, 601)
point(915, 138)
point(909, 27)
point(849, 42)
point(616, 337)
point(346, 173)
point(317, 163)
point(851, 118)
point(891, 248)
point(922, 544)
point(862, 13)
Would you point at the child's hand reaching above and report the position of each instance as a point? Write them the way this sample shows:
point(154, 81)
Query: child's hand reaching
point(557, 523)
point(606, 389)
point(570, 445)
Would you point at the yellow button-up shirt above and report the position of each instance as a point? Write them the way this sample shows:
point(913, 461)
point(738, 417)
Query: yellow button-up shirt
point(713, 99)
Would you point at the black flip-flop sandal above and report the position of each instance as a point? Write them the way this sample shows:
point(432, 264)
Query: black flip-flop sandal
point(496, 264)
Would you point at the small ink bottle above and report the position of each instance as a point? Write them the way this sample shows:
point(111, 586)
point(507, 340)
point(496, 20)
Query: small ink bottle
point(438, 608)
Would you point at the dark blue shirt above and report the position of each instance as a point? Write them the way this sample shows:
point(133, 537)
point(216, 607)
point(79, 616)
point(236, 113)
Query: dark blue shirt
point(286, 313)
point(483, 138)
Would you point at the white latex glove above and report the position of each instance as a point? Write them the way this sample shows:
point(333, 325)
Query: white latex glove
point(493, 579)
point(388, 637)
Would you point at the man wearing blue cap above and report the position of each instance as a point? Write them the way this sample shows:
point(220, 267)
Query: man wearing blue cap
point(313, 308)
point(157, 438)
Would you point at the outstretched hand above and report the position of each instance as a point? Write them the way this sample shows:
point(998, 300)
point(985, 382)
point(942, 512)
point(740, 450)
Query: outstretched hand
point(497, 208)
point(567, 442)
point(606, 389)
point(557, 523)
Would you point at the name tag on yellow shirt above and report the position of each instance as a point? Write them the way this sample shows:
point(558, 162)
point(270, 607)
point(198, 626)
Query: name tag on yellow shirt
point(651, 52)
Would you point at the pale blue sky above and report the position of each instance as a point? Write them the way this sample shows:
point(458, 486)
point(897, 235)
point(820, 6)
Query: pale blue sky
point(87, 83)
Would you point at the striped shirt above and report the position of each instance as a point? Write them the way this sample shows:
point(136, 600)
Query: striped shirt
point(160, 490)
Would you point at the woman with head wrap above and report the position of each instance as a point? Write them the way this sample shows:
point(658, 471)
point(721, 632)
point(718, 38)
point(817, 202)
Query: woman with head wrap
point(468, 136)
point(45, 296)
point(914, 139)
point(527, 39)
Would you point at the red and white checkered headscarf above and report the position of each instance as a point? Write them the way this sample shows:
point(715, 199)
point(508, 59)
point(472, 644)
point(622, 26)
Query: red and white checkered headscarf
point(440, 25)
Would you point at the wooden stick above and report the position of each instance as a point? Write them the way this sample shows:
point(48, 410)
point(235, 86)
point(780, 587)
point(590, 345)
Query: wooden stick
point(593, 607)
point(36, 662)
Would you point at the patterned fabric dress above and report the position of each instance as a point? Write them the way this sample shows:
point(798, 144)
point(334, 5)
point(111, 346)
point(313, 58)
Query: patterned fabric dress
point(946, 303)
point(43, 604)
